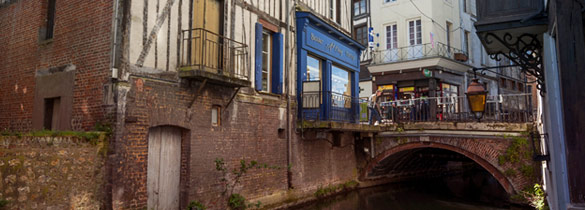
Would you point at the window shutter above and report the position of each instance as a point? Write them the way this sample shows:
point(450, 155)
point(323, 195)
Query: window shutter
point(473, 8)
point(277, 63)
point(258, 58)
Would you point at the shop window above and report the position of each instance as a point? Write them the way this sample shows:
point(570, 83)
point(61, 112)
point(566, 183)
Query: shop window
point(268, 68)
point(391, 37)
point(361, 34)
point(340, 87)
point(359, 7)
point(52, 109)
point(313, 68)
point(215, 115)
point(414, 32)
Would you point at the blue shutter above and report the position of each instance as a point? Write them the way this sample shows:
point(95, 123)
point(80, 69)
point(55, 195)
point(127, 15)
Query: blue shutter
point(258, 58)
point(277, 63)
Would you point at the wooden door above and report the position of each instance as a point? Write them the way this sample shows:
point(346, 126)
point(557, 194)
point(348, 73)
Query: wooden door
point(163, 169)
point(208, 44)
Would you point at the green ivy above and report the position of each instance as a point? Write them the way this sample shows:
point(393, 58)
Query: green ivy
point(196, 205)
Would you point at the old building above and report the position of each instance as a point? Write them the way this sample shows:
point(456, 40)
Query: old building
point(545, 38)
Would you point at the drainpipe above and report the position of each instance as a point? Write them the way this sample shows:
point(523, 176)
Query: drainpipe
point(287, 94)
point(115, 42)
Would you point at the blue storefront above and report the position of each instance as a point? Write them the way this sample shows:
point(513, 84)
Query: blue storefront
point(328, 64)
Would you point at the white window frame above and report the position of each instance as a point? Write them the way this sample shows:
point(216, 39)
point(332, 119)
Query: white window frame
point(417, 33)
point(267, 49)
point(393, 36)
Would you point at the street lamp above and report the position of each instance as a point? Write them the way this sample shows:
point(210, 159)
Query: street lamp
point(476, 96)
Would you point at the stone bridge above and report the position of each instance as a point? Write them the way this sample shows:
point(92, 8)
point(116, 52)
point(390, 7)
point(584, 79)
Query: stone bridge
point(404, 151)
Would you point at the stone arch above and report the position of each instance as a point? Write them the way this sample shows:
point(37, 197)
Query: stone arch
point(497, 174)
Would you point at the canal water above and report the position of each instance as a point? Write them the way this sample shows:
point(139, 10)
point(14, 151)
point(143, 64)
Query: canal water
point(409, 196)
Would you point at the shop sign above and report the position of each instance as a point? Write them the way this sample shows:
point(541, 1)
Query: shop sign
point(407, 89)
point(427, 73)
point(386, 87)
point(331, 47)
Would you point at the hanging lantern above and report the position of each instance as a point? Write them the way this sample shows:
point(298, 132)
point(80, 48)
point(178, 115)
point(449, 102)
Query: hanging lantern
point(476, 96)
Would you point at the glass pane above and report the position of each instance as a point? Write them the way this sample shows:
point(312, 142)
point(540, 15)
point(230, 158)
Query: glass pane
point(214, 115)
point(313, 69)
point(341, 87)
point(340, 81)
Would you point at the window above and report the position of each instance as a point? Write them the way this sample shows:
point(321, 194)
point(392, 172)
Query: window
point(414, 32)
point(448, 31)
point(449, 93)
point(391, 37)
point(50, 19)
point(388, 1)
point(340, 87)
point(466, 43)
point(359, 7)
point(52, 108)
point(361, 34)
point(215, 115)
point(313, 68)
point(266, 60)
point(503, 82)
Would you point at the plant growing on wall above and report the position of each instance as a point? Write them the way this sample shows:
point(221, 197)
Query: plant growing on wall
point(232, 178)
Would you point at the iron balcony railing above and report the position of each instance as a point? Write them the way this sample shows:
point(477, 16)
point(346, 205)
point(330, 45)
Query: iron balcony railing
point(338, 107)
point(207, 51)
point(516, 108)
point(420, 51)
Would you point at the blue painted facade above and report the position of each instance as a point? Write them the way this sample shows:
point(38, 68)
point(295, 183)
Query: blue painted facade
point(317, 38)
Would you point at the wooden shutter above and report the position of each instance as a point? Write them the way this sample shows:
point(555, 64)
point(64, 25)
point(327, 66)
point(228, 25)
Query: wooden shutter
point(277, 63)
point(258, 57)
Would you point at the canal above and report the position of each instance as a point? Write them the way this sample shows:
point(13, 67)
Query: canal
point(415, 195)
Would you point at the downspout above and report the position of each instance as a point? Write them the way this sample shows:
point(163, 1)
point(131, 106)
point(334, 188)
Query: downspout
point(287, 94)
point(115, 42)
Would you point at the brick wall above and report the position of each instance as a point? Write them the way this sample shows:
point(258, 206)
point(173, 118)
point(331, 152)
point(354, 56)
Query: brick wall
point(51, 173)
point(81, 37)
point(484, 151)
point(248, 131)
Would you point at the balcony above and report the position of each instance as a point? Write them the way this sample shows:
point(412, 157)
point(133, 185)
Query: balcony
point(512, 108)
point(416, 52)
point(208, 56)
point(332, 111)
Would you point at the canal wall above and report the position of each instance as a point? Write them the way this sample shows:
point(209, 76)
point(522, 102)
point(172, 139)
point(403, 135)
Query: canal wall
point(251, 128)
point(52, 172)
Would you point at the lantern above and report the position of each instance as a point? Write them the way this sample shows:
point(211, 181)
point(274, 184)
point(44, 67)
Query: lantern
point(476, 96)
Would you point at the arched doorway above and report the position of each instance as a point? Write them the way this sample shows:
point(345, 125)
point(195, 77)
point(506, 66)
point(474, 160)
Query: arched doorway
point(163, 169)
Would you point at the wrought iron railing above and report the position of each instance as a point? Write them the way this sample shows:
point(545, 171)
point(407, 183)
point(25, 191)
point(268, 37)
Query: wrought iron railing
point(414, 52)
point(515, 108)
point(207, 51)
point(338, 107)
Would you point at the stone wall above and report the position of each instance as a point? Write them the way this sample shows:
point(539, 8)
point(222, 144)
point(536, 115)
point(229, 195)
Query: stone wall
point(51, 173)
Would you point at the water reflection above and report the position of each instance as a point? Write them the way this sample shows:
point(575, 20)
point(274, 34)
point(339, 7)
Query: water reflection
point(409, 196)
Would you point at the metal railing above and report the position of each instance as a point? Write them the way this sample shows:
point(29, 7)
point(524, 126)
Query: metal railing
point(414, 52)
point(329, 106)
point(207, 51)
point(516, 108)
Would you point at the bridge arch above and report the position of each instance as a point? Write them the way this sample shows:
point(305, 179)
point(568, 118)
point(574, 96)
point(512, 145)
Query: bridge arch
point(489, 167)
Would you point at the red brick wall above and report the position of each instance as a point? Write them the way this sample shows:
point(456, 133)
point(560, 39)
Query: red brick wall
point(248, 131)
point(484, 151)
point(81, 37)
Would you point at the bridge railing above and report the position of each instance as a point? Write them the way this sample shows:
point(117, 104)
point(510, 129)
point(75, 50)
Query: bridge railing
point(516, 108)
